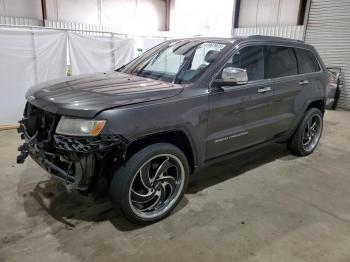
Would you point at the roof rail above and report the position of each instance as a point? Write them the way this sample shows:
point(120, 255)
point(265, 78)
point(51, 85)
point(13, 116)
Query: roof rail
point(275, 37)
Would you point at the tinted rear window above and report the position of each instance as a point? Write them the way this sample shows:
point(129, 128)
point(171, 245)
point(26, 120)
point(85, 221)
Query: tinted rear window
point(280, 61)
point(307, 62)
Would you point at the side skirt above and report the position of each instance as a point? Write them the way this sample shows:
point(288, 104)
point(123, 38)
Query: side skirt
point(233, 154)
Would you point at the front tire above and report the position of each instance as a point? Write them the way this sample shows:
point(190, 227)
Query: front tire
point(151, 183)
point(308, 134)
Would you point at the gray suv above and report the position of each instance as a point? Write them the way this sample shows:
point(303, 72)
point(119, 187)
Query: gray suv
point(143, 129)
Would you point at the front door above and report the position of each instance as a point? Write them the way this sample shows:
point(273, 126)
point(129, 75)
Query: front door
point(238, 116)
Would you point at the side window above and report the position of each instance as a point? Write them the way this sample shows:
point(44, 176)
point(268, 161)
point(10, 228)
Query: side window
point(280, 61)
point(250, 58)
point(307, 62)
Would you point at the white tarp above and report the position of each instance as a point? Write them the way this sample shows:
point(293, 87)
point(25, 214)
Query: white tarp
point(89, 54)
point(124, 50)
point(29, 56)
point(149, 42)
point(51, 55)
point(26, 58)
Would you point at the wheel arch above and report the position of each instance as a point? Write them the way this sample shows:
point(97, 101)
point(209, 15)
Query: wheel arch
point(317, 103)
point(176, 137)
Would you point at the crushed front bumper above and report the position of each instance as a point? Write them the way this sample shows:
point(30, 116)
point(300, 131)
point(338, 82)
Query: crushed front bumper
point(72, 160)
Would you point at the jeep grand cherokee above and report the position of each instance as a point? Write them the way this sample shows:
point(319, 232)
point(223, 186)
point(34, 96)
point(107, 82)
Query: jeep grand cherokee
point(144, 128)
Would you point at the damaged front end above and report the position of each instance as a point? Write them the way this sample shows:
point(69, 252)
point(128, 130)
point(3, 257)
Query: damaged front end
point(77, 161)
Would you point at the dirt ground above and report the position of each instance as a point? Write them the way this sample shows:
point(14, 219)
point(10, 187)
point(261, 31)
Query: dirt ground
point(266, 205)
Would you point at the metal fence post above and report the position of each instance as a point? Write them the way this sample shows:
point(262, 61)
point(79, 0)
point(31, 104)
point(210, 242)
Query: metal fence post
point(34, 57)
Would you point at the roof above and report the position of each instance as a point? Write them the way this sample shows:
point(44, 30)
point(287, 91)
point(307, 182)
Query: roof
point(264, 37)
point(210, 39)
point(234, 39)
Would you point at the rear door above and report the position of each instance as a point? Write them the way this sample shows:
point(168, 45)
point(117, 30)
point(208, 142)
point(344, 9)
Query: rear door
point(293, 72)
point(310, 72)
point(281, 69)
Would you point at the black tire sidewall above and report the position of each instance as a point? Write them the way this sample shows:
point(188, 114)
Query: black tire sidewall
point(123, 177)
point(297, 140)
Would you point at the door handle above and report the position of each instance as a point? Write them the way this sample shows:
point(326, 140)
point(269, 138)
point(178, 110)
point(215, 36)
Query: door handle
point(303, 82)
point(264, 89)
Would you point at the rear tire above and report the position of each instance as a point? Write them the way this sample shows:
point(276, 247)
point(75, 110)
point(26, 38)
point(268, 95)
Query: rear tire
point(308, 134)
point(151, 183)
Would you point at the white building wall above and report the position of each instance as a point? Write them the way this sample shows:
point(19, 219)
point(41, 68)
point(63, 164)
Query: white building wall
point(201, 17)
point(80, 11)
point(255, 13)
point(135, 16)
point(151, 14)
point(118, 13)
point(21, 8)
point(289, 11)
point(128, 16)
point(124, 15)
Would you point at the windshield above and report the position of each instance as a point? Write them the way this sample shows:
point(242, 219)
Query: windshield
point(178, 62)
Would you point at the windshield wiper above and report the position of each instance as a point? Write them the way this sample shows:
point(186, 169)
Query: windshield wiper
point(120, 68)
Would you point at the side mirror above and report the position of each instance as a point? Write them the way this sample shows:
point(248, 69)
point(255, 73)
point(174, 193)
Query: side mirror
point(232, 76)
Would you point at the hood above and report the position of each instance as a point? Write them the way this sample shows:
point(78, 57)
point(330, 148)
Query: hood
point(87, 95)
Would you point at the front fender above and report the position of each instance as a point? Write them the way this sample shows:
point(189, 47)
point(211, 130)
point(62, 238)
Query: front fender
point(186, 115)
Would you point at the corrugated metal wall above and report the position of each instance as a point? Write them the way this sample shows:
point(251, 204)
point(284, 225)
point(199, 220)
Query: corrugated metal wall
point(99, 30)
point(143, 42)
point(293, 32)
point(328, 29)
point(89, 29)
point(10, 20)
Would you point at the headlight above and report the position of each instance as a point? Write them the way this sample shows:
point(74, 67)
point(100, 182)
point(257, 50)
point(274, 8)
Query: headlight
point(79, 127)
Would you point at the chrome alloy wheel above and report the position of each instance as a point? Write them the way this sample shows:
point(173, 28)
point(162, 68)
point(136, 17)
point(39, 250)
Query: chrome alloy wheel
point(156, 186)
point(312, 133)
